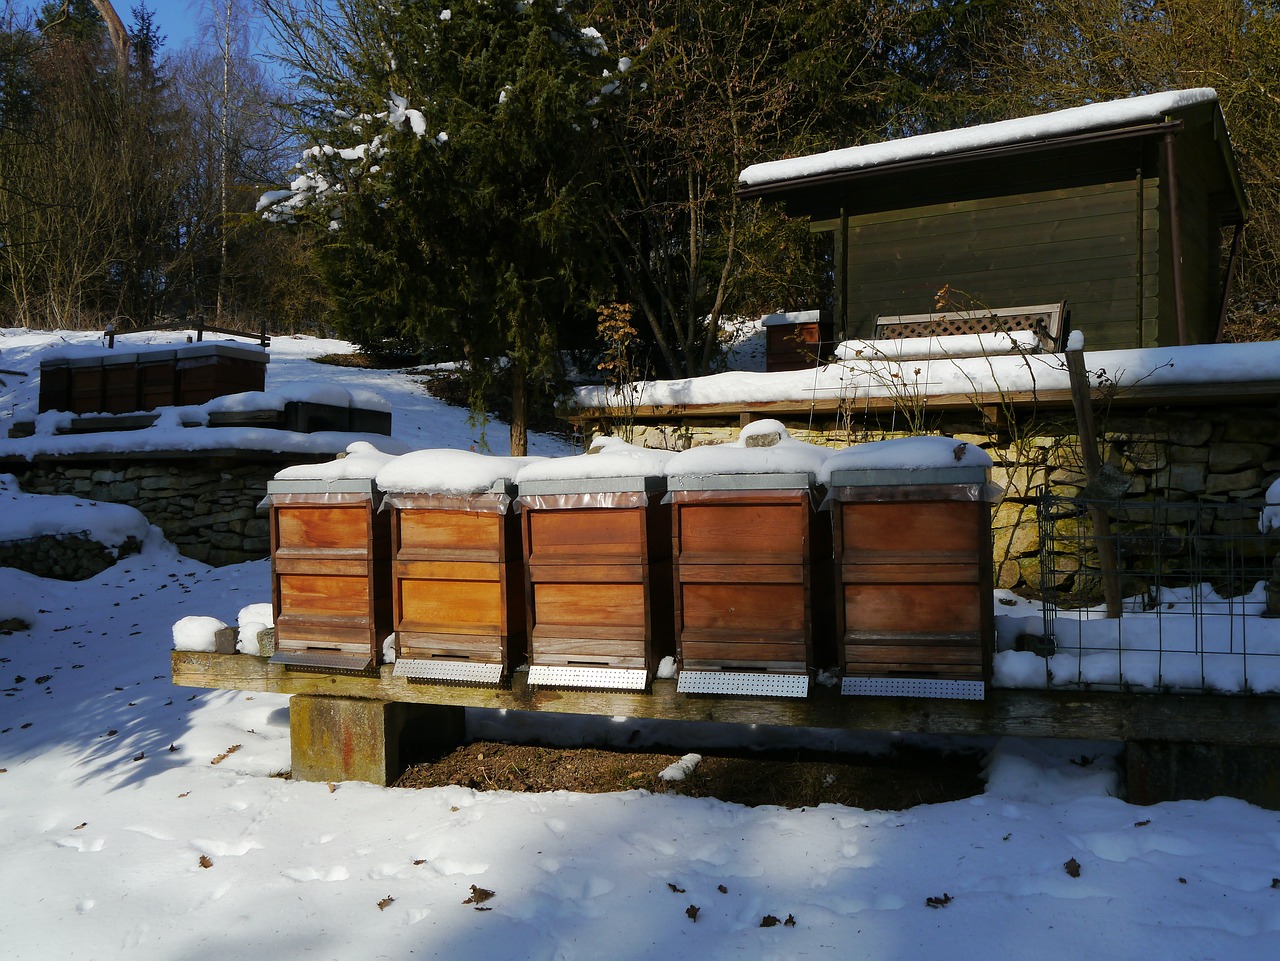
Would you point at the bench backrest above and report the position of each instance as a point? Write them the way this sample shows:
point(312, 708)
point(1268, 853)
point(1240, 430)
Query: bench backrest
point(1045, 319)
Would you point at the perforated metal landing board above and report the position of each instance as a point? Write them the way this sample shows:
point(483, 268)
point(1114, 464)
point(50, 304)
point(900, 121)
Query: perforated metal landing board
point(324, 660)
point(740, 682)
point(468, 672)
point(607, 678)
point(914, 687)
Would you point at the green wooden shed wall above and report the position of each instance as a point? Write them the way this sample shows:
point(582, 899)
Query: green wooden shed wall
point(1083, 216)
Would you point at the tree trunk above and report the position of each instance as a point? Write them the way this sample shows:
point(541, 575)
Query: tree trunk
point(116, 31)
point(519, 409)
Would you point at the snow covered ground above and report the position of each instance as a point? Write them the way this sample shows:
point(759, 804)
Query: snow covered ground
point(141, 821)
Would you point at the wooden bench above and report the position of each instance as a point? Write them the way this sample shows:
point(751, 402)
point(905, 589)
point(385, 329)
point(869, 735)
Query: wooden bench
point(1047, 320)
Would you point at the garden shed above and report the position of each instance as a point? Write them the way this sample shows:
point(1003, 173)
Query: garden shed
point(1122, 210)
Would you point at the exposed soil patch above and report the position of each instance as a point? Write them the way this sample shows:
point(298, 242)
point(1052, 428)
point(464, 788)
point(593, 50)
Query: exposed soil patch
point(900, 780)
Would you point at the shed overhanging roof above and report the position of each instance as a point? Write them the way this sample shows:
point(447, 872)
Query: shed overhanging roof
point(1092, 118)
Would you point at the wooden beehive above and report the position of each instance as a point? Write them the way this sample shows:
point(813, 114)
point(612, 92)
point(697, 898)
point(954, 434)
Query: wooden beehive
point(330, 573)
point(157, 379)
point(55, 385)
point(86, 385)
point(457, 586)
point(206, 371)
point(120, 393)
point(598, 575)
point(796, 341)
point(914, 599)
point(747, 552)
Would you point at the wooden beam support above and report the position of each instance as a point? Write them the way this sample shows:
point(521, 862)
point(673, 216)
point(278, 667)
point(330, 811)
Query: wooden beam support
point(1244, 720)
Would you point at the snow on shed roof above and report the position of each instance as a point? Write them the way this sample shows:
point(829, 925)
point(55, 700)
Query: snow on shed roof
point(1059, 123)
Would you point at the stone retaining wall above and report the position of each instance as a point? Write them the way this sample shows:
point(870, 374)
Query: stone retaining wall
point(209, 511)
point(67, 557)
point(1214, 455)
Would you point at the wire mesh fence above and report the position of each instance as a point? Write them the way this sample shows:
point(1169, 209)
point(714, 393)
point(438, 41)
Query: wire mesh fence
point(1195, 584)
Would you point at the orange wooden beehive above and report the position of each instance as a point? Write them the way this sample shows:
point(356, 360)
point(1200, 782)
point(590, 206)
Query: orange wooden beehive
point(914, 597)
point(598, 569)
point(330, 573)
point(457, 585)
point(747, 552)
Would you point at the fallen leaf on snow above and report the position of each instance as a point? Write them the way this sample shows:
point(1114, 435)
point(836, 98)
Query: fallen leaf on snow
point(206, 861)
point(1072, 868)
point(81, 826)
point(941, 902)
point(790, 922)
point(382, 905)
point(691, 912)
point(225, 754)
point(1142, 824)
point(675, 889)
point(478, 895)
point(722, 889)
point(769, 921)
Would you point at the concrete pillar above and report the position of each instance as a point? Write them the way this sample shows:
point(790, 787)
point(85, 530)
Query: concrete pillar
point(358, 739)
point(1173, 771)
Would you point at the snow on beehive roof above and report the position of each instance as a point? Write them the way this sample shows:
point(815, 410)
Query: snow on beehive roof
point(362, 462)
point(906, 453)
point(448, 471)
point(1059, 123)
point(608, 457)
point(751, 454)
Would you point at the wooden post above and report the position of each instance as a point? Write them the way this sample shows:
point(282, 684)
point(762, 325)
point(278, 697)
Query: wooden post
point(357, 739)
point(1081, 400)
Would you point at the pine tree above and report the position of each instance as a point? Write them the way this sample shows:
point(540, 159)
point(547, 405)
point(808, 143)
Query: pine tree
point(453, 169)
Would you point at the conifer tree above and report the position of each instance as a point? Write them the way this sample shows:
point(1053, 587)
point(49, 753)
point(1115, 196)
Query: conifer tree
point(454, 150)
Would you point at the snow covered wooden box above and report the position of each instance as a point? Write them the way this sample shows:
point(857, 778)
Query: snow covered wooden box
point(86, 385)
point(914, 595)
point(120, 388)
point(208, 370)
point(457, 585)
point(157, 379)
point(330, 572)
point(797, 340)
point(597, 555)
point(747, 551)
point(749, 563)
point(55, 385)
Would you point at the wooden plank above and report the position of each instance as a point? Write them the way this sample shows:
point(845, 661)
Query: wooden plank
point(601, 602)
point(927, 607)
point(730, 608)
point(578, 533)
point(451, 606)
point(586, 572)
point(601, 649)
point(760, 650)
point(324, 594)
point(922, 572)
point(1100, 715)
point(325, 566)
point(309, 527)
point(723, 572)
point(748, 530)
point(448, 530)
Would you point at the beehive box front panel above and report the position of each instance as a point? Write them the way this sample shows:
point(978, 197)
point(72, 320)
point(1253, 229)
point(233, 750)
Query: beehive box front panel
point(86, 388)
point(458, 582)
point(915, 588)
point(586, 535)
point(331, 575)
point(120, 387)
point(157, 383)
point(743, 588)
point(599, 586)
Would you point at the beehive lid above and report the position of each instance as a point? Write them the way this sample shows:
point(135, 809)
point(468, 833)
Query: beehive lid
point(593, 485)
point(782, 480)
point(908, 476)
point(113, 359)
point(93, 361)
point(319, 485)
point(222, 349)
